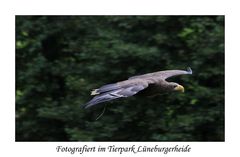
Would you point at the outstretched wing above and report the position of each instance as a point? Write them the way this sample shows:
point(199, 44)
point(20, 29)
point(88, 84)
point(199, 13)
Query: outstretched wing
point(164, 74)
point(115, 91)
point(170, 73)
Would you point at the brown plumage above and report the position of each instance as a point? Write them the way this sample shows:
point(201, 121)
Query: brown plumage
point(156, 82)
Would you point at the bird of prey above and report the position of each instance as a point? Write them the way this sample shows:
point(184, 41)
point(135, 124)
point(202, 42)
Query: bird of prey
point(154, 83)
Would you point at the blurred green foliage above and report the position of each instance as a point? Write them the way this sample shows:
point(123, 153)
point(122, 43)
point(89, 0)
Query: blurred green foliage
point(59, 59)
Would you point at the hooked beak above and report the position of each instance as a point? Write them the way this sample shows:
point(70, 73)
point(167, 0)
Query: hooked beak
point(179, 88)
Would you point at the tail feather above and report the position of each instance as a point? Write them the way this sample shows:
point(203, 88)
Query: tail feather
point(102, 98)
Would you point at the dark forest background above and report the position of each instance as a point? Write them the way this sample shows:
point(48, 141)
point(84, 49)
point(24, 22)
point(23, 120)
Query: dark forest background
point(60, 59)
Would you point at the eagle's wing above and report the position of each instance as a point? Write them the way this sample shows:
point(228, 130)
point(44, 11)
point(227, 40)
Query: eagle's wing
point(117, 90)
point(170, 73)
point(164, 74)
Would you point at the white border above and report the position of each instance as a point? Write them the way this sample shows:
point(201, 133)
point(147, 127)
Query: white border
point(11, 8)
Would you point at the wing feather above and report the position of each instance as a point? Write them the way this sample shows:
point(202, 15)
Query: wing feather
point(163, 74)
point(124, 91)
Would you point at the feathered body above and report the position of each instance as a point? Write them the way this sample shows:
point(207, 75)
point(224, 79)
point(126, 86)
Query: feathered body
point(152, 83)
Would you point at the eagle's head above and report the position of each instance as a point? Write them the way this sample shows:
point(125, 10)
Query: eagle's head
point(176, 87)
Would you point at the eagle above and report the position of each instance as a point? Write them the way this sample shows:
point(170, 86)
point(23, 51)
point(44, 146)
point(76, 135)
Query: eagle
point(152, 83)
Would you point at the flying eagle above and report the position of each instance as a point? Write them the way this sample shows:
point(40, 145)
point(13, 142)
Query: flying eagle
point(154, 83)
